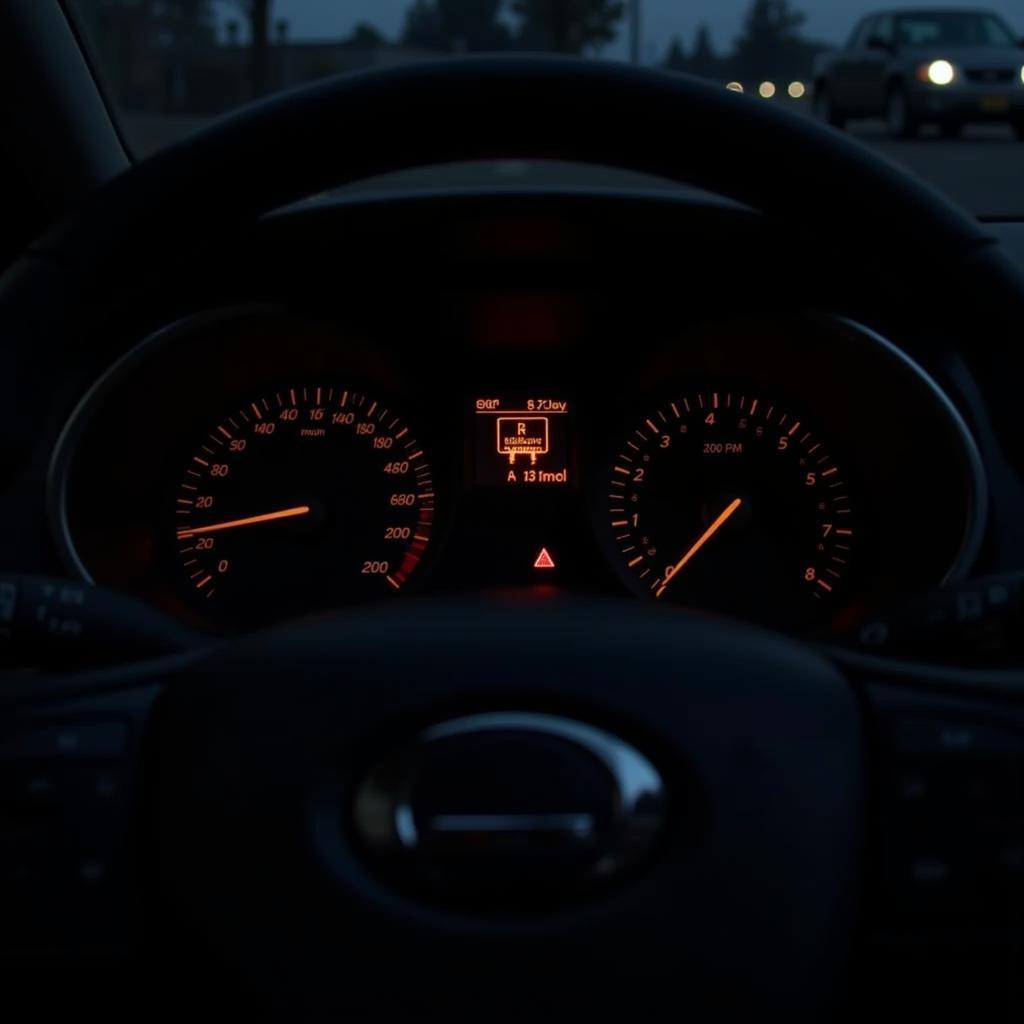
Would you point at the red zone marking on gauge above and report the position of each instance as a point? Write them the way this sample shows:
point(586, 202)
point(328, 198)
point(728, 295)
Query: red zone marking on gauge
point(701, 412)
point(260, 420)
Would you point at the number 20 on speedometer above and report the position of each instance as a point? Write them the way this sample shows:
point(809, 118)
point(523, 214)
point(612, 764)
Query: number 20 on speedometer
point(302, 499)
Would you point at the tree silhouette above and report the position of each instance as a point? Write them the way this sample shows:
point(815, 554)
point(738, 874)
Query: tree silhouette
point(770, 43)
point(189, 22)
point(125, 33)
point(704, 61)
point(455, 25)
point(177, 22)
point(422, 26)
point(569, 26)
point(363, 37)
point(675, 59)
point(257, 14)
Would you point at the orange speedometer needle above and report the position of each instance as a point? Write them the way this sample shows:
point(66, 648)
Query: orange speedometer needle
point(234, 524)
point(704, 538)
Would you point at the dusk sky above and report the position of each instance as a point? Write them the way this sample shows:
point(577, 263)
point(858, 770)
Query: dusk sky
point(827, 20)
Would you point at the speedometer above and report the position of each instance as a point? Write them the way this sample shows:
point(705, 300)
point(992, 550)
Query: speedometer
point(301, 499)
point(728, 501)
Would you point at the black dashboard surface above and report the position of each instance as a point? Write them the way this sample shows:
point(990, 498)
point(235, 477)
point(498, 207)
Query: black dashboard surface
point(590, 312)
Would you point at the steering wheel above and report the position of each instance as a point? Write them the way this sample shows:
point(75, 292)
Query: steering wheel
point(501, 806)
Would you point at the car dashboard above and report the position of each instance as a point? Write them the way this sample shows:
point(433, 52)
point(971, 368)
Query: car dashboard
point(521, 473)
point(623, 393)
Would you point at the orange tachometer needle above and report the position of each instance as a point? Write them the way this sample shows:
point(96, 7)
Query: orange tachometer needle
point(233, 524)
point(704, 538)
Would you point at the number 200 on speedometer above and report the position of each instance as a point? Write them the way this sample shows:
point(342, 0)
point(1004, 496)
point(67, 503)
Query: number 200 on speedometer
point(302, 499)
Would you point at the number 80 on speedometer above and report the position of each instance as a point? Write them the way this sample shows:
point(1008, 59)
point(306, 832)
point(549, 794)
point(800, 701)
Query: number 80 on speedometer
point(302, 499)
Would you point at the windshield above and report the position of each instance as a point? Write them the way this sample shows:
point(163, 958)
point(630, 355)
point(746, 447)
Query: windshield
point(169, 67)
point(952, 29)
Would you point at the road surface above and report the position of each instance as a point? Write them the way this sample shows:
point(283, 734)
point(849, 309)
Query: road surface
point(983, 171)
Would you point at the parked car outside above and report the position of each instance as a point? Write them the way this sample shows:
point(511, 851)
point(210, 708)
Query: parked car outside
point(914, 67)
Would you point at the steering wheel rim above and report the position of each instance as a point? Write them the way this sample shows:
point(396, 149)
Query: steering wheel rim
point(352, 127)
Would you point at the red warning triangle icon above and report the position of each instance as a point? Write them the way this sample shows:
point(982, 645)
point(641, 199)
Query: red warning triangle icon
point(544, 560)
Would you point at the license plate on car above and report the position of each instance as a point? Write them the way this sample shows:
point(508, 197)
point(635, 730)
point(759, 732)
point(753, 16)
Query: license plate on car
point(994, 104)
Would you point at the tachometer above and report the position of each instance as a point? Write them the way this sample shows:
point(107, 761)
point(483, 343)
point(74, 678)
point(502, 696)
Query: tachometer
point(301, 499)
point(727, 501)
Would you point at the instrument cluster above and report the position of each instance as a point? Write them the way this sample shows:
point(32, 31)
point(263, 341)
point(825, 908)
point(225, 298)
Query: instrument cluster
point(250, 465)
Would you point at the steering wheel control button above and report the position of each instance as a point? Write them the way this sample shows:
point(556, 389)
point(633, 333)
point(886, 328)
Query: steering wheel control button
point(951, 736)
point(509, 811)
point(978, 619)
point(67, 739)
point(954, 811)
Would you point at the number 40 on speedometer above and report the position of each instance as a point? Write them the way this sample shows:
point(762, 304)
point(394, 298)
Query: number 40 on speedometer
point(301, 499)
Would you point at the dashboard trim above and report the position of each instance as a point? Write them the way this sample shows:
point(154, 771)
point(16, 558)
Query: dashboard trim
point(978, 503)
point(57, 474)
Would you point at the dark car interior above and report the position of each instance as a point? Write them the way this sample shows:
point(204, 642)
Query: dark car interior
point(477, 602)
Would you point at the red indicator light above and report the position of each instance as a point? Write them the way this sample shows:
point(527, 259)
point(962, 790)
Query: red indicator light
point(544, 560)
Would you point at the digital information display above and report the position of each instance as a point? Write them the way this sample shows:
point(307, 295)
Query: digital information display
point(522, 442)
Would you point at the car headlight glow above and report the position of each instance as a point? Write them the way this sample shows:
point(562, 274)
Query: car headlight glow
point(938, 72)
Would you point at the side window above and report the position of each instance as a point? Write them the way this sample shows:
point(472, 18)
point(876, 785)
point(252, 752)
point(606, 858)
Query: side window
point(862, 33)
point(996, 33)
point(885, 29)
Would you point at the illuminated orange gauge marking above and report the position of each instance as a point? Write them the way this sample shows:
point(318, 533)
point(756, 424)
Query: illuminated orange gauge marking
point(722, 519)
point(364, 532)
point(725, 433)
point(234, 524)
point(523, 435)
